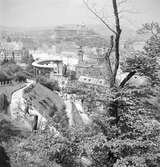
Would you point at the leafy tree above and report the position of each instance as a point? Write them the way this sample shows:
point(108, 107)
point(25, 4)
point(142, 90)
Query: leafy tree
point(145, 63)
point(20, 77)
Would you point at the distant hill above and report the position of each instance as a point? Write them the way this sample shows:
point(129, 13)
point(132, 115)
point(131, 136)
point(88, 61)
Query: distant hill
point(128, 32)
point(24, 29)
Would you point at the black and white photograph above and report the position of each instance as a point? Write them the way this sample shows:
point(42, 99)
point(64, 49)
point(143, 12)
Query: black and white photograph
point(79, 83)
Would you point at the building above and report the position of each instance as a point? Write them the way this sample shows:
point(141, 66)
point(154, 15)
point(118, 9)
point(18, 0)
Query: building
point(68, 32)
point(69, 58)
point(11, 51)
point(91, 72)
point(42, 67)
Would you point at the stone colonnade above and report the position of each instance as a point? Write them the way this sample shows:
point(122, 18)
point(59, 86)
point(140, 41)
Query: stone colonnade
point(42, 70)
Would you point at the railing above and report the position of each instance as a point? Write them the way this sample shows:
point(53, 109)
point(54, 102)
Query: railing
point(6, 83)
point(9, 83)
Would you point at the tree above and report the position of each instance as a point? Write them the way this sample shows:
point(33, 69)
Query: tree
point(110, 72)
point(20, 77)
point(146, 63)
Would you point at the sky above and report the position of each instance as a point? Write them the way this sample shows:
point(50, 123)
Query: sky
point(46, 13)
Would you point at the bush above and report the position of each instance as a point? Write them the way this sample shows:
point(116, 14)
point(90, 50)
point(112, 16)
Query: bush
point(3, 77)
point(4, 159)
point(52, 85)
point(52, 110)
point(20, 77)
point(4, 103)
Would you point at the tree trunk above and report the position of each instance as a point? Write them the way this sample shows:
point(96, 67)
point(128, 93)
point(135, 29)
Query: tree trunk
point(127, 78)
point(107, 64)
point(35, 123)
point(117, 39)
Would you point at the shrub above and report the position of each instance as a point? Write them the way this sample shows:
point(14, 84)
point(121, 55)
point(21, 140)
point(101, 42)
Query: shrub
point(52, 110)
point(52, 85)
point(21, 77)
point(3, 102)
point(3, 77)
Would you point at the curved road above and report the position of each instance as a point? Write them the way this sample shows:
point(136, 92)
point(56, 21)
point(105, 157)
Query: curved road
point(17, 107)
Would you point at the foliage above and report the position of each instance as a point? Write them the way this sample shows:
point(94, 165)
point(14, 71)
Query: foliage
point(20, 77)
point(146, 62)
point(4, 103)
point(3, 77)
point(27, 58)
point(4, 159)
point(50, 84)
point(9, 70)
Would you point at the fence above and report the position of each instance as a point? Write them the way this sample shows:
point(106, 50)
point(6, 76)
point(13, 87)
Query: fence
point(5, 83)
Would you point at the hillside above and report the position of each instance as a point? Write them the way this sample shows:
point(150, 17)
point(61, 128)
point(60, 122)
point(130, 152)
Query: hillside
point(43, 99)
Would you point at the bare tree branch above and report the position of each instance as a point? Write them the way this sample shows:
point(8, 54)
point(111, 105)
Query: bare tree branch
point(99, 17)
point(108, 67)
point(127, 78)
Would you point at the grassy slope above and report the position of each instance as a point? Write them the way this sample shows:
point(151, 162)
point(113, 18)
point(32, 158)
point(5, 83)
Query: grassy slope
point(10, 129)
point(43, 98)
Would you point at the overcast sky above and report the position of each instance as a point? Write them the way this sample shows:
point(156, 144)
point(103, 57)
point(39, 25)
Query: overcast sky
point(45, 13)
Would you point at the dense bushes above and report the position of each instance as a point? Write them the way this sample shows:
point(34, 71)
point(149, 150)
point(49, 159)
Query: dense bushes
point(11, 71)
point(4, 159)
point(52, 85)
point(3, 77)
point(4, 103)
point(20, 77)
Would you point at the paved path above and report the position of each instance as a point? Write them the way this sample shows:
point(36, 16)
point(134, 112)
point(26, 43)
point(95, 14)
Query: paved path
point(78, 105)
point(17, 107)
point(82, 113)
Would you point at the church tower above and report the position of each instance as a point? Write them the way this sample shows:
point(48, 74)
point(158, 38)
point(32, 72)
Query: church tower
point(80, 55)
